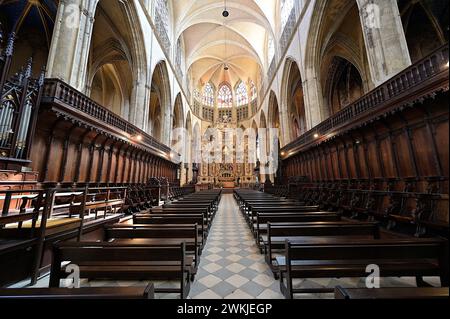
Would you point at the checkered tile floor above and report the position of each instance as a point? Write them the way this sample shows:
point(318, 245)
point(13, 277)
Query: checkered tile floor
point(231, 266)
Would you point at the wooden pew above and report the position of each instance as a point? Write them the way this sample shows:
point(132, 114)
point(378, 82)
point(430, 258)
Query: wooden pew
point(149, 235)
point(147, 292)
point(329, 259)
point(125, 262)
point(161, 219)
point(100, 199)
point(192, 206)
point(260, 225)
point(277, 234)
point(23, 224)
point(182, 211)
point(251, 217)
point(391, 293)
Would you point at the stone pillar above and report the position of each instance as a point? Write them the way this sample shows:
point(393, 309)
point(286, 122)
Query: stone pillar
point(140, 98)
point(386, 46)
point(285, 136)
point(315, 110)
point(71, 41)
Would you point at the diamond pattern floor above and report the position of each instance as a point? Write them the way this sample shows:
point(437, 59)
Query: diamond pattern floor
point(231, 266)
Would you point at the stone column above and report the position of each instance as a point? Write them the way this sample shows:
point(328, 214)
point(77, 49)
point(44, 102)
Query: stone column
point(387, 49)
point(69, 50)
point(315, 110)
point(140, 99)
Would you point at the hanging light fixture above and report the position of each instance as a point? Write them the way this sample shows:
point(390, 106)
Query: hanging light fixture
point(225, 14)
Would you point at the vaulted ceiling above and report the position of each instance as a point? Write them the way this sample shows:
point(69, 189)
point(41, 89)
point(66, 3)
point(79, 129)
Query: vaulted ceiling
point(212, 41)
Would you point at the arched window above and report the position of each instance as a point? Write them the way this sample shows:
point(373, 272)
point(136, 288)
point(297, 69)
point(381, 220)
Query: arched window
point(253, 91)
point(208, 95)
point(241, 94)
point(286, 8)
point(225, 97)
point(197, 95)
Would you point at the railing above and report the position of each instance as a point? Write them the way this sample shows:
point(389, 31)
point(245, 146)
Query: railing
point(178, 71)
point(405, 82)
point(288, 30)
point(272, 69)
point(58, 91)
point(162, 32)
point(19, 105)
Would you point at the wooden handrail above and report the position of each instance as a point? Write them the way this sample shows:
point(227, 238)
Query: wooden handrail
point(57, 90)
point(407, 83)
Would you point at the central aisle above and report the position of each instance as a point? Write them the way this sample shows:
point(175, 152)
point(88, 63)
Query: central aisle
point(231, 266)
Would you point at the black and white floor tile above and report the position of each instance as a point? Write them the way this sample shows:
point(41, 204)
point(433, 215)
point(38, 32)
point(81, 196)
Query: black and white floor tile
point(232, 267)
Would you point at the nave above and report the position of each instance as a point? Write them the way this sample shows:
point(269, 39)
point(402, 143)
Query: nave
point(232, 265)
point(168, 149)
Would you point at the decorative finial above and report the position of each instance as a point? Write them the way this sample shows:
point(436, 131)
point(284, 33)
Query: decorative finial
point(42, 76)
point(28, 68)
point(20, 76)
point(1, 34)
point(10, 46)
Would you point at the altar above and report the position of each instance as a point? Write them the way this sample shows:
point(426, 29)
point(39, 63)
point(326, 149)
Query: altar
point(228, 185)
point(227, 171)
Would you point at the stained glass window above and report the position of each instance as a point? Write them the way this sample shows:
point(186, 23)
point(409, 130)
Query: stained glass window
point(241, 94)
point(225, 97)
point(286, 8)
point(208, 95)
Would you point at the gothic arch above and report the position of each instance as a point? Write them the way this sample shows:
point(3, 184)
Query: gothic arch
point(428, 32)
point(293, 103)
point(262, 120)
point(274, 114)
point(160, 104)
point(333, 33)
point(178, 112)
point(344, 84)
point(117, 59)
point(32, 23)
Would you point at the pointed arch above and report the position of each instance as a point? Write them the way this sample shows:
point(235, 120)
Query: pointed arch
point(160, 104)
point(117, 59)
point(292, 101)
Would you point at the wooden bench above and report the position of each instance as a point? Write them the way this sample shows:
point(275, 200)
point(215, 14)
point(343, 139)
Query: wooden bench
point(395, 258)
point(150, 235)
point(260, 225)
point(277, 234)
point(182, 211)
point(161, 219)
point(23, 224)
point(78, 293)
point(125, 262)
point(391, 293)
point(100, 199)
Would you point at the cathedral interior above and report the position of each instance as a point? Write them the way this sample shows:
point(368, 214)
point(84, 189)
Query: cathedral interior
point(113, 112)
